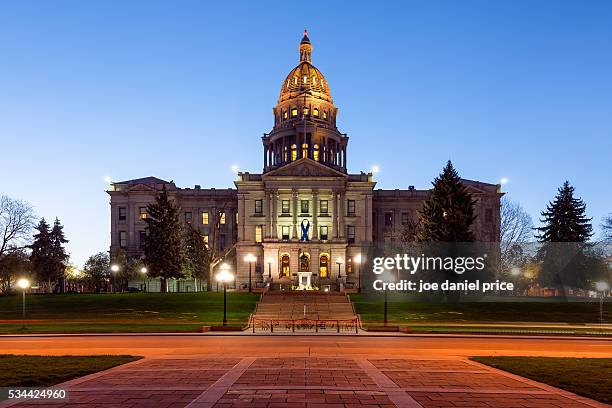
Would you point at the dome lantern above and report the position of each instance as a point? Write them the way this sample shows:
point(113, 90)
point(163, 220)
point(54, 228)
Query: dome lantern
point(305, 48)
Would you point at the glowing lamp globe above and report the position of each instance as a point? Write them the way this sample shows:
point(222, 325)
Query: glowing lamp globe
point(23, 283)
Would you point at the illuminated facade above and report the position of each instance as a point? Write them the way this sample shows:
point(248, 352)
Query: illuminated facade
point(304, 220)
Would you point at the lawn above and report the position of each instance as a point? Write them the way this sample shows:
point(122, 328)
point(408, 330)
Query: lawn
point(590, 377)
point(127, 312)
point(44, 371)
point(371, 311)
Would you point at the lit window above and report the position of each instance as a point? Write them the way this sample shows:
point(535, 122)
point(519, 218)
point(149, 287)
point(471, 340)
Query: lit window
point(314, 80)
point(122, 214)
point(323, 266)
point(350, 234)
point(285, 114)
point(142, 213)
point(316, 152)
point(236, 217)
point(204, 218)
point(323, 84)
point(315, 112)
point(188, 217)
point(306, 111)
point(325, 115)
point(350, 207)
point(258, 206)
point(222, 219)
point(293, 112)
point(304, 206)
point(349, 265)
point(323, 206)
point(304, 79)
point(293, 152)
point(295, 80)
point(323, 233)
point(305, 150)
point(258, 233)
point(285, 232)
point(123, 239)
point(285, 207)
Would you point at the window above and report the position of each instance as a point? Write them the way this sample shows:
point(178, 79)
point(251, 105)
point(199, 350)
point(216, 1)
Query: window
point(142, 213)
point(305, 150)
point(293, 152)
point(315, 112)
point(222, 218)
point(350, 234)
point(188, 217)
point(285, 115)
point(323, 207)
point(285, 232)
point(304, 262)
point(304, 79)
point(405, 218)
point(236, 217)
point(350, 207)
point(349, 265)
point(388, 219)
point(205, 218)
point(258, 206)
point(488, 215)
point(304, 205)
point(142, 236)
point(323, 266)
point(285, 207)
point(122, 213)
point(123, 239)
point(285, 266)
point(306, 111)
point(258, 233)
point(315, 152)
point(323, 232)
point(293, 112)
point(205, 239)
point(325, 115)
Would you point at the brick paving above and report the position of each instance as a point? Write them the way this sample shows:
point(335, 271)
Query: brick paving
point(309, 382)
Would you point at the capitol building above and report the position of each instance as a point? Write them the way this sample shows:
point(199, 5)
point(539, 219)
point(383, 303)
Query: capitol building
point(304, 221)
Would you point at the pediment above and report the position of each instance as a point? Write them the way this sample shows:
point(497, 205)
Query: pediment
point(140, 187)
point(304, 167)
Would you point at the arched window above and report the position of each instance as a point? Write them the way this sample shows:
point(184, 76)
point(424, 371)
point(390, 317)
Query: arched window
point(305, 150)
point(285, 266)
point(293, 112)
point(316, 152)
point(304, 262)
point(306, 111)
point(293, 152)
point(285, 115)
point(315, 112)
point(304, 79)
point(323, 266)
point(325, 115)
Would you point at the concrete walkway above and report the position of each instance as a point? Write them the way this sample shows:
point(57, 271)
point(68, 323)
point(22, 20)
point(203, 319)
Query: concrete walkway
point(200, 381)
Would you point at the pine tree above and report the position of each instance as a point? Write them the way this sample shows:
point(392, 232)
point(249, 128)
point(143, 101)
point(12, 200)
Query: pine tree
point(59, 256)
point(448, 212)
point(564, 219)
point(164, 250)
point(41, 256)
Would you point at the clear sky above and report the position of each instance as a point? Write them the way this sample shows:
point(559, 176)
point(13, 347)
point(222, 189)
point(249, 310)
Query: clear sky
point(184, 90)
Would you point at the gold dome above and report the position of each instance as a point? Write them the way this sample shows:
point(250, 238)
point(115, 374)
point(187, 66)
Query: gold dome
point(305, 78)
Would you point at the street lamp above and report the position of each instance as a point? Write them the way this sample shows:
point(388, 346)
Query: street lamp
point(357, 259)
point(602, 287)
point(250, 258)
point(224, 276)
point(114, 269)
point(144, 271)
point(23, 283)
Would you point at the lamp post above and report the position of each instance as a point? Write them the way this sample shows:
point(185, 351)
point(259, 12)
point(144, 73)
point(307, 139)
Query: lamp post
point(250, 258)
point(143, 271)
point(114, 269)
point(23, 283)
point(357, 259)
point(224, 276)
point(602, 287)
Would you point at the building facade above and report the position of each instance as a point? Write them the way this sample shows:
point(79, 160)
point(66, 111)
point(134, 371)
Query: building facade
point(304, 221)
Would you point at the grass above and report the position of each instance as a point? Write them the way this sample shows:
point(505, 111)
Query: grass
point(590, 377)
point(44, 371)
point(128, 312)
point(371, 311)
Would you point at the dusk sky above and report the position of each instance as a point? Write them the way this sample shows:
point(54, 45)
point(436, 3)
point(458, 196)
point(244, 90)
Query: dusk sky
point(184, 90)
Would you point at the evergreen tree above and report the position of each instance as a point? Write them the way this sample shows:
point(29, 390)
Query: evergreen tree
point(41, 256)
point(564, 219)
point(96, 272)
point(59, 256)
point(198, 256)
point(164, 250)
point(448, 212)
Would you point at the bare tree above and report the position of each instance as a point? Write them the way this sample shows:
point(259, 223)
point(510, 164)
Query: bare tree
point(516, 226)
point(606, 226)
point(16, 223)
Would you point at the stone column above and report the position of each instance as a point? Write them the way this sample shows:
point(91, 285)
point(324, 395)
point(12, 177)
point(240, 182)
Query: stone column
point(341, 214)
point(294, 197)
point(335, 214)
point(273, 198)
point(315, 213)
point(242, 217)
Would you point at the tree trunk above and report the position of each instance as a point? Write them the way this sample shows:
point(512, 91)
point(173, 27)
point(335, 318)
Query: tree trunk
point(210, 278)
point(164, 285)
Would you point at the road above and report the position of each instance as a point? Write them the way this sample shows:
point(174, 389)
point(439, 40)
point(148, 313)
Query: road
point(281, 346)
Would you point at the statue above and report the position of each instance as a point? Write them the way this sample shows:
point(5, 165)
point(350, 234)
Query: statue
point(305, 227)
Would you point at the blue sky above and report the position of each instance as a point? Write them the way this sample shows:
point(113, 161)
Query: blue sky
point(184, 90)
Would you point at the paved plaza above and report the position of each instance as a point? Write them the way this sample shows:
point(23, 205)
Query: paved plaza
point(340, 382)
